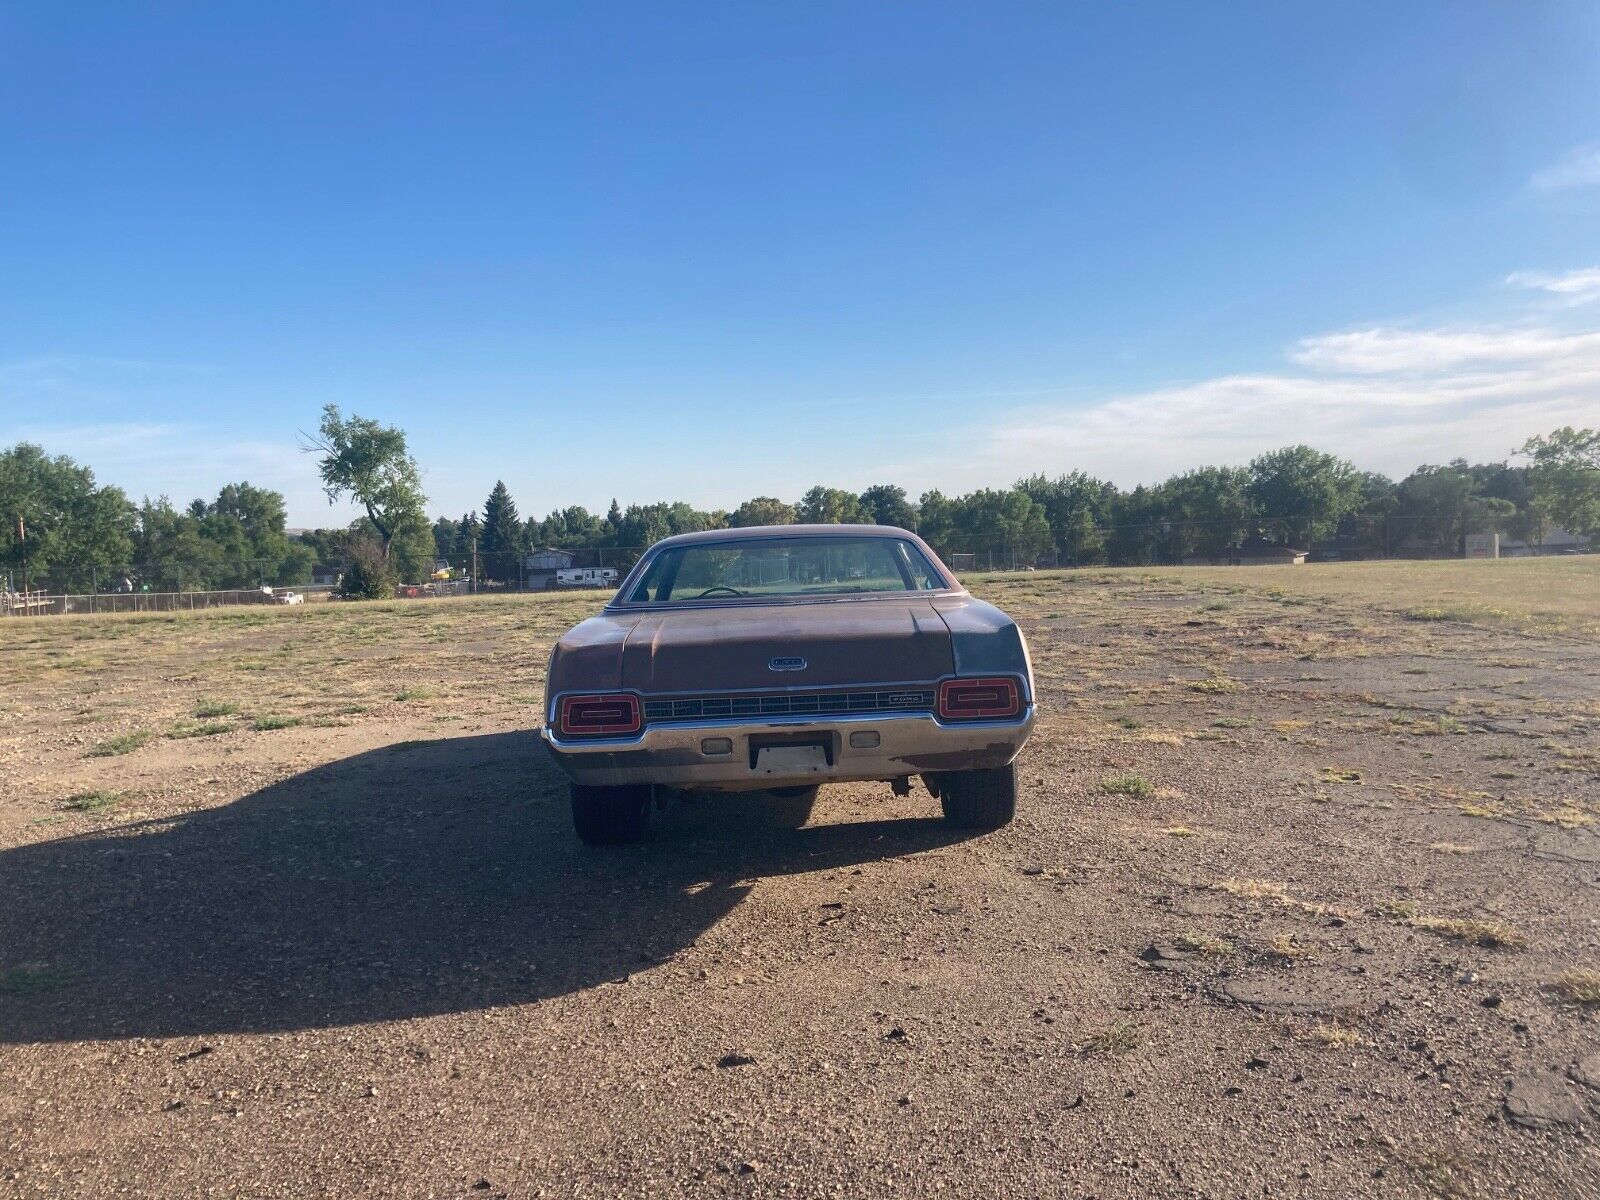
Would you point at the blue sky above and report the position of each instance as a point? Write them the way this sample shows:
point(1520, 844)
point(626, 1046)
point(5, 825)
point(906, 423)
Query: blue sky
point(715, 250)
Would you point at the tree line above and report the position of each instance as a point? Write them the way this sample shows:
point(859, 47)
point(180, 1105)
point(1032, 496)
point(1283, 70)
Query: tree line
point(65, 532)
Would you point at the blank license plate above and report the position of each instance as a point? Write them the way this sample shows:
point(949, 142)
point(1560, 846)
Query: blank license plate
point(790, 760)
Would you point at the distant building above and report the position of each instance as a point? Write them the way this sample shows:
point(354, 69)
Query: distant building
point(1344, 547)
point(1556, 541)
point(1256, 552)
point(540, 567)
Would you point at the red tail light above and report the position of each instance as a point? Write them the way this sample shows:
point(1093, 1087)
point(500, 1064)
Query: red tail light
point(977, 699)
point(598, 716)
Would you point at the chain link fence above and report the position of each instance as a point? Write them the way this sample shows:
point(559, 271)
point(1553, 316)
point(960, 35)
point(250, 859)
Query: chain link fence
point(137, 587)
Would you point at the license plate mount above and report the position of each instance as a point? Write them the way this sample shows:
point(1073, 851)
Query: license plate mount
point(807, 758)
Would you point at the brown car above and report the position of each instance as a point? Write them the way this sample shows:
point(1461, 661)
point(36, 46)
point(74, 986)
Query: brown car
point(780, 658)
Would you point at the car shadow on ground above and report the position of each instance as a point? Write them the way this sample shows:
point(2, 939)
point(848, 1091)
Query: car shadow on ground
point(425, 878)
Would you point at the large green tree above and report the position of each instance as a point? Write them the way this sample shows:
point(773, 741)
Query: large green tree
point(761, 510)
point(1209, 510)
point(830, 506)
point(1301, 493)
point(1566, 477)
point(370, 463)
point(502, 534)
point(1078, 507)
point(1439, 506)
point(55, 521)
point(237, 540)
point(887, 504)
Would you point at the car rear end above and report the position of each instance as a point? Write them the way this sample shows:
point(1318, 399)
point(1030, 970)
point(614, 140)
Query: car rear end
point(761, 693)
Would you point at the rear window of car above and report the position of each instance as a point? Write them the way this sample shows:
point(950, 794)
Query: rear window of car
point(784, 567)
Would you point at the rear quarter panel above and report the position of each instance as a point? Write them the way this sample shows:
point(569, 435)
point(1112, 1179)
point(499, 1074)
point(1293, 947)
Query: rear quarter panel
point(984, 640)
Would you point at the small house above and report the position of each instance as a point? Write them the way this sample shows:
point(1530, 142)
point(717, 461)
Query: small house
point(540, 567)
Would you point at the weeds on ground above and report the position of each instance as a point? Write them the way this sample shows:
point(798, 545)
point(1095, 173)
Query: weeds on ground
point(1136, 786)
point(1200, 943)
point(1567, 816)
point(1489, 934)
point(274, 721)
point(184, 729)
point(91, 802)
point(1283, 946)
point(1328, 1033)
point(1256, 889)
point(1404, 909)
point(1119, 1038)
point(1576, 987)
point(215, 708)
point(125, 743)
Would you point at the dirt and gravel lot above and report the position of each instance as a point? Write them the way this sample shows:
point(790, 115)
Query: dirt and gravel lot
point(1301, 901)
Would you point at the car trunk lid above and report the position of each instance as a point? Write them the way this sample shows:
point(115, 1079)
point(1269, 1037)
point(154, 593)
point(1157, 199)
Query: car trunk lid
point(805, 645)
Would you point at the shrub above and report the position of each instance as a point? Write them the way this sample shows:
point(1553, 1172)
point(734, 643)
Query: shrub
point(369, 575)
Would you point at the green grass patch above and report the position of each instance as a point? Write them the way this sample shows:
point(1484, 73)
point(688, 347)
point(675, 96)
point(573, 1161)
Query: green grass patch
point(215, 708)
point(91, 802)
point(274, 721)
point(125, 743)
point(1136, 786)
point(416, 693)
point(189, 729)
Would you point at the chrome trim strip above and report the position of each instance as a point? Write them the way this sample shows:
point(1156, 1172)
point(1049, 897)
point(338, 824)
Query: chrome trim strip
point(734, 725)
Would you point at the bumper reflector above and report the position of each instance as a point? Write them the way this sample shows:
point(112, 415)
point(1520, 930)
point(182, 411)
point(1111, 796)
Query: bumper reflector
point(716, 746)
point(864, 739)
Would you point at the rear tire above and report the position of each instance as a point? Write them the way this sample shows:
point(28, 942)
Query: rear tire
point(979, 799)
point(791, 806)
point(610, 816)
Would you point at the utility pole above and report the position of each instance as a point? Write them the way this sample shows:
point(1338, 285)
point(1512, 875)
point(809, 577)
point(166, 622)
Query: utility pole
point(22, 544)
point(474, 565)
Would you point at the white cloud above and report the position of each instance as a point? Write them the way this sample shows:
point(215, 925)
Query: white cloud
point(1580, 168)
point(1388, 398)
point(1381, 350)
point(1574, 287)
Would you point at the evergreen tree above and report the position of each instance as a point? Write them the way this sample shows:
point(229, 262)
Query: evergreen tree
point(471, 530)
point(502, 532)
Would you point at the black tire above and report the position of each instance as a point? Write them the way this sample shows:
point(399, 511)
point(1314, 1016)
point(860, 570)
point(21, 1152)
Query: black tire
point(610, 816)
point(792, 806)
point(979, 799)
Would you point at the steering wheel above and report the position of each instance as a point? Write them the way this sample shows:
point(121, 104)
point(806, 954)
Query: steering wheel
point(720, 588)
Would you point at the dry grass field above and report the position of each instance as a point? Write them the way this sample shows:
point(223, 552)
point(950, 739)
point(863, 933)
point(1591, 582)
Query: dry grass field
point(1301, 900)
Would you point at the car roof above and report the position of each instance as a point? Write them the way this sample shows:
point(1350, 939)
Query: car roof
point(752, 532)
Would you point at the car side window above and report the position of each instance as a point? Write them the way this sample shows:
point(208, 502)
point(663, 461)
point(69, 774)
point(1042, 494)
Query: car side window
point(922, 572)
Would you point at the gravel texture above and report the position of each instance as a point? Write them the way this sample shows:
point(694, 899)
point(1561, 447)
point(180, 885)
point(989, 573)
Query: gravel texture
point(1332, 943)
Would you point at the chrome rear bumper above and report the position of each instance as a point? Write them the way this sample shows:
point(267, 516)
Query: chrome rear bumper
point(676, 755)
